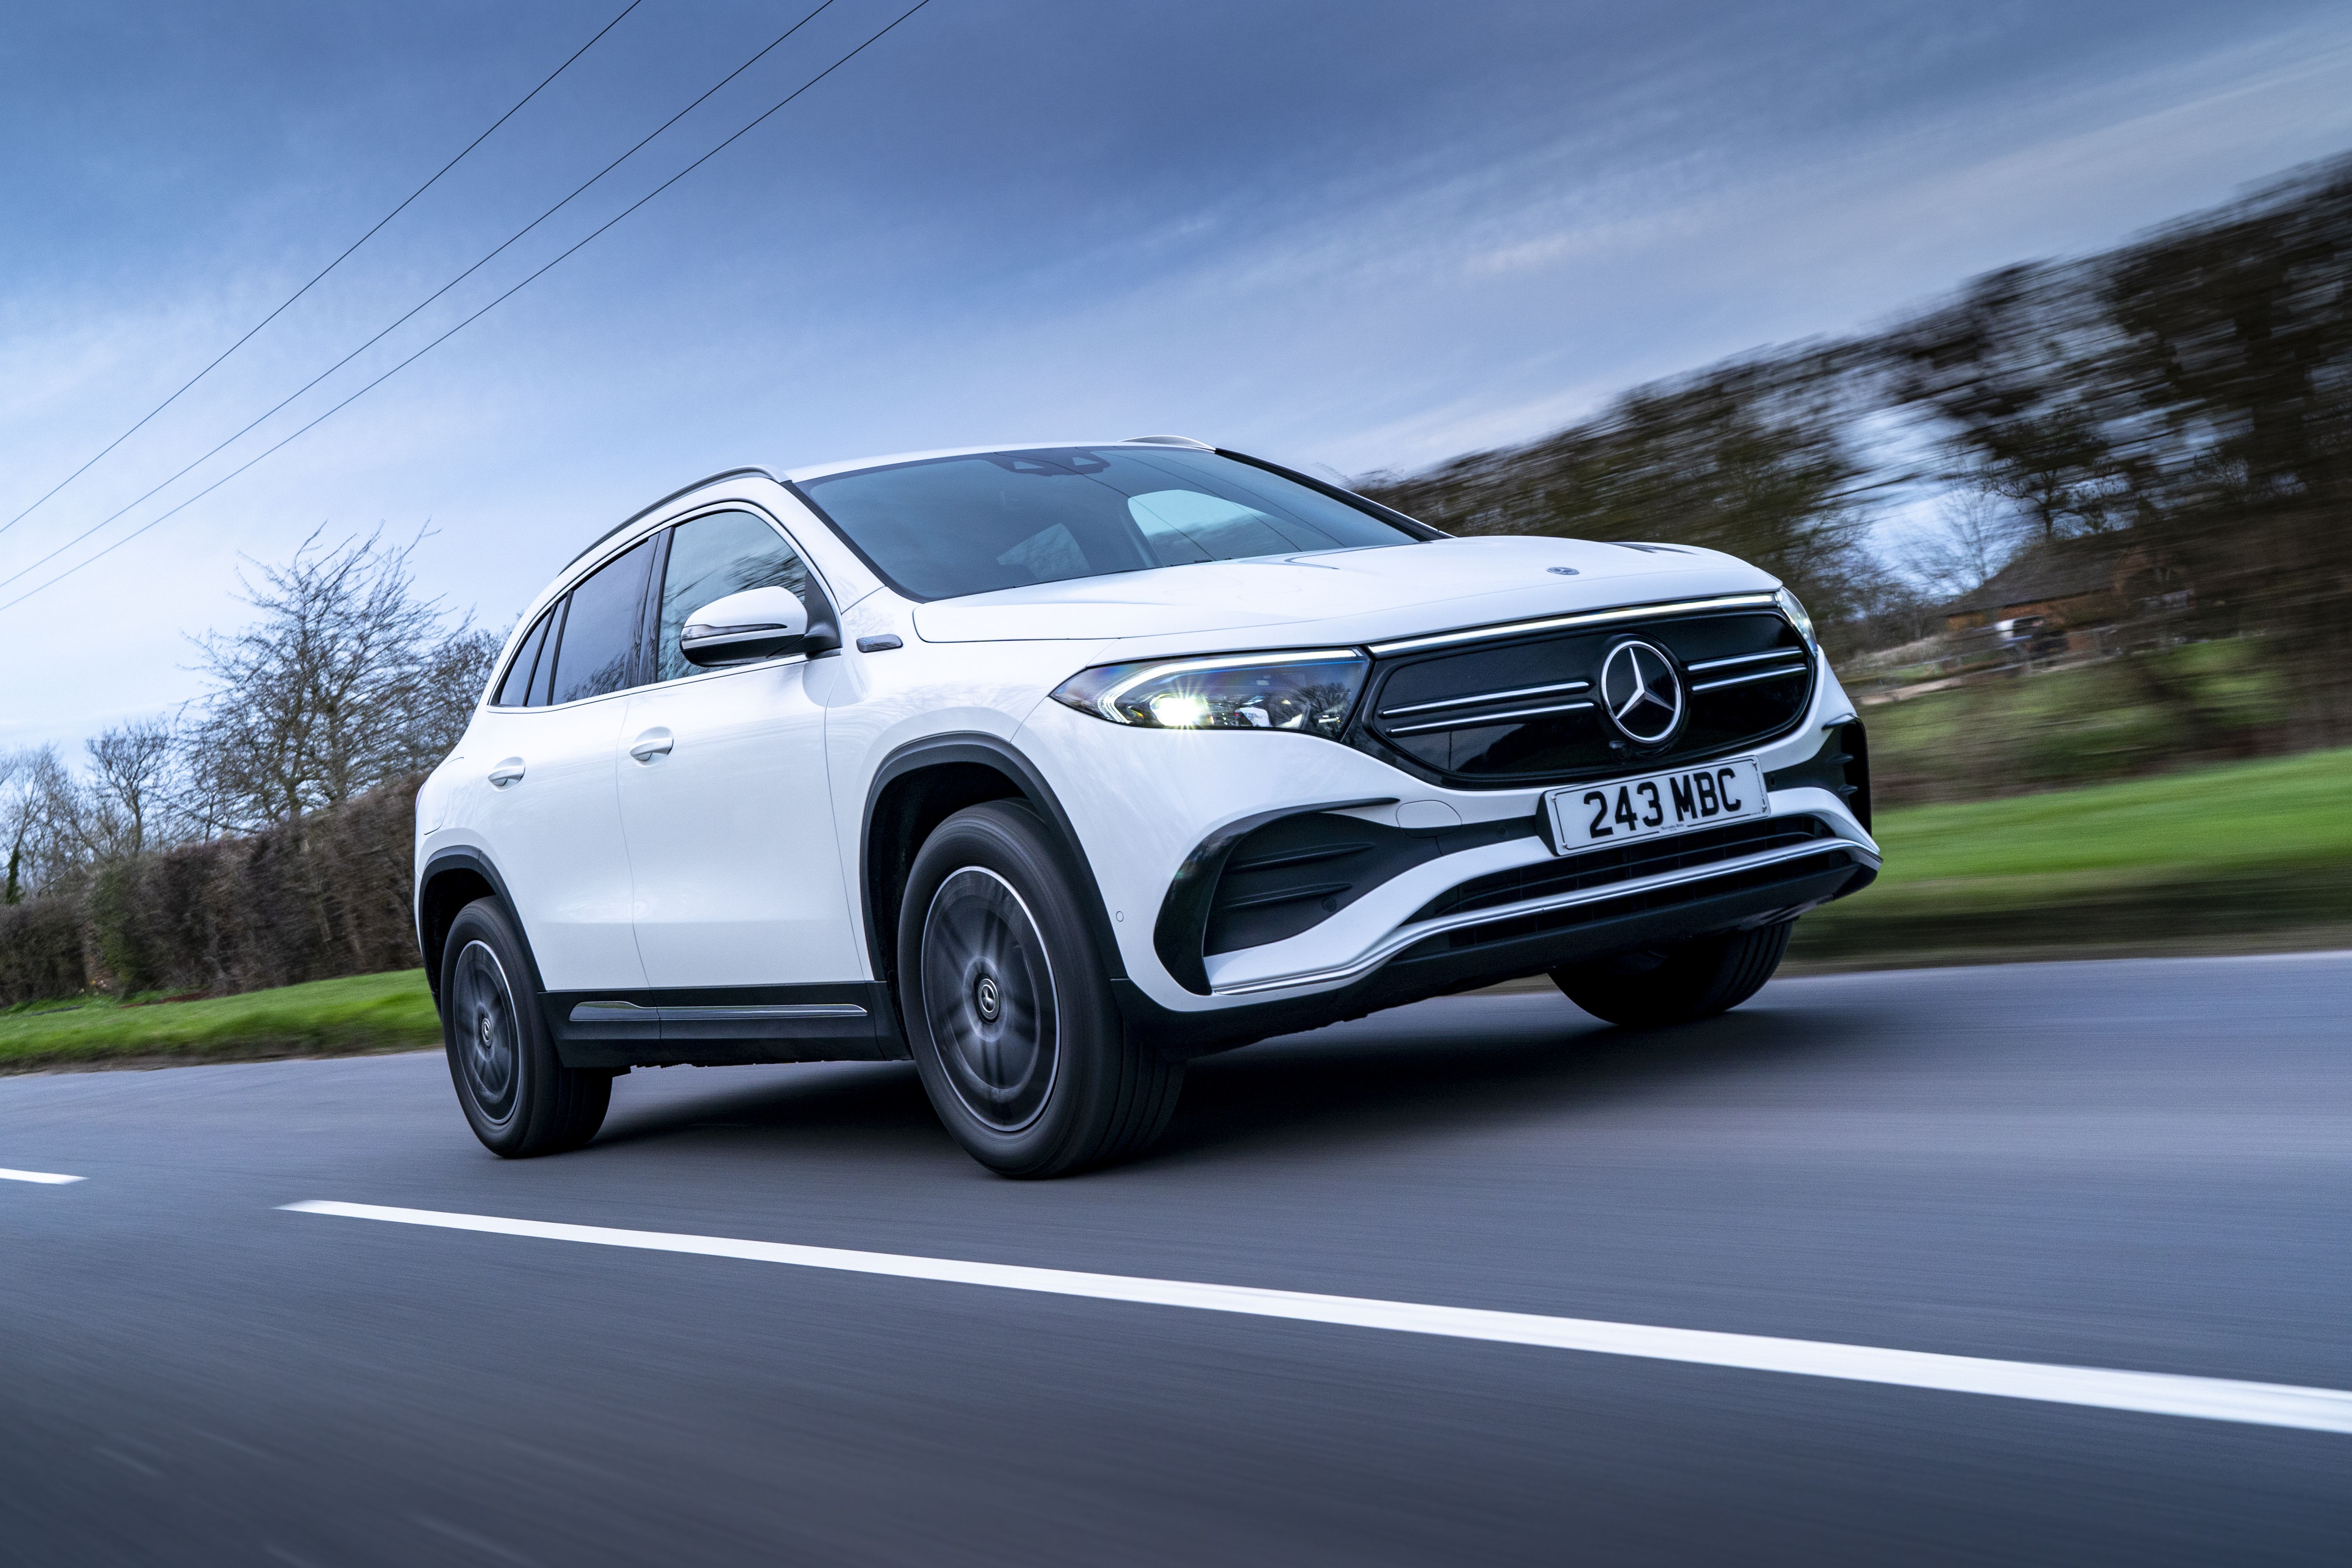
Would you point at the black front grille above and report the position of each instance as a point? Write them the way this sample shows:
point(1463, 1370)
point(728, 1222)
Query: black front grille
point(1626, 863)
point(1523, 710)
point(1297, 872)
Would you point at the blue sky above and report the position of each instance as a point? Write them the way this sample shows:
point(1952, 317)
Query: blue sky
point(1347, 236)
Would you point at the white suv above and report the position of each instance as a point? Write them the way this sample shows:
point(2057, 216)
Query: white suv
point(1053, 767)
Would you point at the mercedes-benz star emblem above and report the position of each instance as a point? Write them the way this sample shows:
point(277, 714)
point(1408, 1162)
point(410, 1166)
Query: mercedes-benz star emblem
point(1641, 694)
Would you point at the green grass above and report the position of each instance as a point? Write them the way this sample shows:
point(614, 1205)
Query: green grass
point(2090, 724)
point(364, 1013)
point(2238, 848)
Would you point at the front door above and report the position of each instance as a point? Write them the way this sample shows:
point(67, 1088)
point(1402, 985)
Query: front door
point(723, 791)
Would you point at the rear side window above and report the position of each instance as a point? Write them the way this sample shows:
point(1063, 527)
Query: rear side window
point(714, 556)
point(598, 651)
point(514, 691)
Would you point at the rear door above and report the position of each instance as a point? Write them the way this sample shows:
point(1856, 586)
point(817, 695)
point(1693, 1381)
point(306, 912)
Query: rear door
point(550, 754)
point(723, 790)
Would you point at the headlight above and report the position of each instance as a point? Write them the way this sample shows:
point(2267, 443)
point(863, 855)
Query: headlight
point(1309, 693)
point(1797, 617)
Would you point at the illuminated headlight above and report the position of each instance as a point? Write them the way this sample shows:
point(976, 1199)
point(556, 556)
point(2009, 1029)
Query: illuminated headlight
point(1797, 617)
point(1307, 693)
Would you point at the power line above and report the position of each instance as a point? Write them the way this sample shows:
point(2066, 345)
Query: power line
point(469, 321)
point(134, 504)
point(331, 265)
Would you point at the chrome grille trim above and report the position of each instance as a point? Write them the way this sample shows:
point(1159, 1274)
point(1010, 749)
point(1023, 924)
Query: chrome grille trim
point(1403, 937)
point(1744, 679)
point(1484, 697)
point(1589, 618)
point(1472, 720)
point(1746, 658)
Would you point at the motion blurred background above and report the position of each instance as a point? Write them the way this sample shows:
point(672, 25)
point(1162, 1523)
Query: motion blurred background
point(2018, 341)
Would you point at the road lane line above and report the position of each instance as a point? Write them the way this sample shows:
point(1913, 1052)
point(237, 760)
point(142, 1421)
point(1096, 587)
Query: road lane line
point(44, 1177)
point(2151, 1392)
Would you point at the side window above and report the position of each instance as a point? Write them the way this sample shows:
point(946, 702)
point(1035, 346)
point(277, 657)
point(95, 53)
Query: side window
point(598, 651)
point(514, 689)
point(714, 556)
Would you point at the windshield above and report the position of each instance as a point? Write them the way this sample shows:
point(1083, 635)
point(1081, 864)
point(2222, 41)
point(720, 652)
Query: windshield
point(951, 526)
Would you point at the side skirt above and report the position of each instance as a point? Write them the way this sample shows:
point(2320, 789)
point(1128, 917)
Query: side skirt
point(724, 1025)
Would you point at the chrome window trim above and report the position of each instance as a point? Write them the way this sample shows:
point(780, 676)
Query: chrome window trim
point(568, 580)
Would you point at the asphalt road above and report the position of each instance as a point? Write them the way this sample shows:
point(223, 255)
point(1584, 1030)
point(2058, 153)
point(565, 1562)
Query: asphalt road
point(2141, 1165)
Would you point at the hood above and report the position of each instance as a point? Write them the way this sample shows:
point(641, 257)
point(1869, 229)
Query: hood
point(1394, 591)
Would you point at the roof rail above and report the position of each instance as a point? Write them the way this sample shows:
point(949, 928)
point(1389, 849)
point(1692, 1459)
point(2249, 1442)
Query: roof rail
point(683, 491)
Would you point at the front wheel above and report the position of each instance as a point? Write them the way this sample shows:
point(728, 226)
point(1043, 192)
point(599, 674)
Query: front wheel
point(517, 1095)
point(1676, 985)
point(1020, 1048)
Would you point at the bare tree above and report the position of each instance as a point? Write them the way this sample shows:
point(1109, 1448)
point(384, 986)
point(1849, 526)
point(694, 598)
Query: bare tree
point(31, 783)
point(344, 682)
point(120, 809)
point(1975, 534)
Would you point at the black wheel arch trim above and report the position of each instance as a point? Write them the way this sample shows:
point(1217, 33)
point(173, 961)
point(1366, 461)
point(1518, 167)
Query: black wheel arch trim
point(464, 859)
point(996, 753)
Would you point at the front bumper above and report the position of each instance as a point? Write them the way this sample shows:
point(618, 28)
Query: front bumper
point(1145, 804)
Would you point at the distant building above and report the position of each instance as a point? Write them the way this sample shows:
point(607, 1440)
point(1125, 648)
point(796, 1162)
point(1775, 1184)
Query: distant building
point(2070, 585)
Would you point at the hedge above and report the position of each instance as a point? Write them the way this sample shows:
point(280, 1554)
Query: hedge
point(316, 898)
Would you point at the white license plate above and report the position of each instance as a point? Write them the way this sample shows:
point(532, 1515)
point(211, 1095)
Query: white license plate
point(1584, 817)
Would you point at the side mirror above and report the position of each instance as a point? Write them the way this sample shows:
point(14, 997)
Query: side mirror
point(759, 623)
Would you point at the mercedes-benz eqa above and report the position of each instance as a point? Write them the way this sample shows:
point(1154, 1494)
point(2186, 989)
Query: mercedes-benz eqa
point(1053, 767)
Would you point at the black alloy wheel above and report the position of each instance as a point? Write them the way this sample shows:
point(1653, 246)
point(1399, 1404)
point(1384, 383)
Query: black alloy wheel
point(1008, 1008)
point(990, 987)
point(517, 1095)
point(482, 1033)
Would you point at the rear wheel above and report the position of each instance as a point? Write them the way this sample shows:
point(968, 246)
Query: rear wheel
point(1680, 984)
point(1020, 1048)
point(517, 1094)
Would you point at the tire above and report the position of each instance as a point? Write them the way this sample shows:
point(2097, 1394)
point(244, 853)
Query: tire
point(1677, 984)
point(1008, 1010)
point(517, 1095)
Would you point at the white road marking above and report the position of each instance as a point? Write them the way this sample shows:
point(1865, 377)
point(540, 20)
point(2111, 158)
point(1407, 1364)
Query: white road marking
point(2153, 1392)
point(42, 1177)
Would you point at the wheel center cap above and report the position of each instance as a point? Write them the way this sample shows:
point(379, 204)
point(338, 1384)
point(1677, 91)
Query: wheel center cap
point(987, 999)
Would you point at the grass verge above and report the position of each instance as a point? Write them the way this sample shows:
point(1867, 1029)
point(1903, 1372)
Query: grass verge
point(2219, 858)
point(325, 1017)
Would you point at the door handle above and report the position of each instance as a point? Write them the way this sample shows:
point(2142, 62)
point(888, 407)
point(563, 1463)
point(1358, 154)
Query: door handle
point(506, 772)
point(651, 744)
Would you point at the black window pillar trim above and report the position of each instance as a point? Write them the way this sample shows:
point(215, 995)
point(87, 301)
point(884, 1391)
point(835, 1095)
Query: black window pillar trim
point(1181, 934)
point(1387, 514)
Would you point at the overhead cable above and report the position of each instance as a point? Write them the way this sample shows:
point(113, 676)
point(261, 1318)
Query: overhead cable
point(407, 315)
point(331, 265)
point(478, 315)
